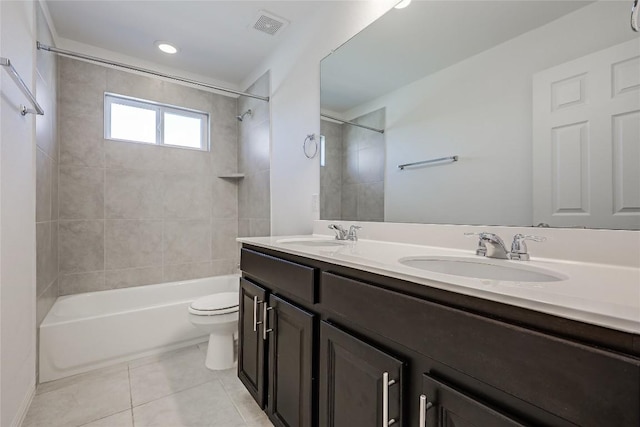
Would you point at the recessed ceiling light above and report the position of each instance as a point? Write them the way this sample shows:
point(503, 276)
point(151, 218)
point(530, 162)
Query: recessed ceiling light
point(166, 47)
point(402, 4)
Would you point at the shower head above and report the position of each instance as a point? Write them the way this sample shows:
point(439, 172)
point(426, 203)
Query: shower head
point(241, 116)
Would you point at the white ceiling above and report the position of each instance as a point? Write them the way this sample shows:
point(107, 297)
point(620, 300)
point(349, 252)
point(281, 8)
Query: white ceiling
point(215, 38)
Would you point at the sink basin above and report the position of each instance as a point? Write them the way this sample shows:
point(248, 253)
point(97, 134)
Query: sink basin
point(482, 269)
point(311, 241)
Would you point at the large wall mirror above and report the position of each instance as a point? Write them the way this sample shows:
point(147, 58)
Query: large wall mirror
point(518, 113)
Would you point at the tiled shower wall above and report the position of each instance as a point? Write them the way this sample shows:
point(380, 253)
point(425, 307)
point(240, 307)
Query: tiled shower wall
point(46, 175)
point(363, 168)
point(254, 208)
point(135, 214)
point(331, 172)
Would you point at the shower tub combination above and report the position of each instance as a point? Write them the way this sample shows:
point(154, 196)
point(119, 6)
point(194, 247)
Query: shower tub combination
point(97, 329)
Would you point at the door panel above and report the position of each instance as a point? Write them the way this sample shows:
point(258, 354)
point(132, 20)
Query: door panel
point(351, 381)
point(251, 349)
point(586, 141)
point(290, 402)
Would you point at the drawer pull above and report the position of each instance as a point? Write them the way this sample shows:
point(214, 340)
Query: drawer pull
point(424, 407)
point(386, 382)
point(255, 313)
point(265, 331)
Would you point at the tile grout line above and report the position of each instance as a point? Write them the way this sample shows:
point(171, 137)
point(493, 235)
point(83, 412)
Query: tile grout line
point(224, 388)
point(133, 422)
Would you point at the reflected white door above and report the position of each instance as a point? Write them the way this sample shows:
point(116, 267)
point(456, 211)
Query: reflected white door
point(586, 141)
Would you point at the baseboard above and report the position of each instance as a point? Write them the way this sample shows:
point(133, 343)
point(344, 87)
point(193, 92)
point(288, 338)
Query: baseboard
point(24, 407)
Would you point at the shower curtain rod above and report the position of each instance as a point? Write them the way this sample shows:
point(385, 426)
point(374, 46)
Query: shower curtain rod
point(351, 123)
point(146, 71)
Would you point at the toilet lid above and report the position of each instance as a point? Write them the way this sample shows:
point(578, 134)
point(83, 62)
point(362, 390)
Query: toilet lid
point(221, 303)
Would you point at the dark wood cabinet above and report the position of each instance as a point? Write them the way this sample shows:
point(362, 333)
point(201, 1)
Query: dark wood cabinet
point(360, 385)
point(444, 406)
point(290, 364)
point(382, 347)
point(251, 346)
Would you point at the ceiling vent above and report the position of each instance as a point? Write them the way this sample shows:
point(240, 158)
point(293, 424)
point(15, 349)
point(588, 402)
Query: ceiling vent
point(269, 23)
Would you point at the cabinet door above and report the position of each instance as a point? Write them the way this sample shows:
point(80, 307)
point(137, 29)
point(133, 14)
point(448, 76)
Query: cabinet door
point(290, 364)
point(444, 406)
point(353, 390)
point(251, 354)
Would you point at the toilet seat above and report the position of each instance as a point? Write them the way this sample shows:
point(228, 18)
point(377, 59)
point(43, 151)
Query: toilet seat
point(216, 304)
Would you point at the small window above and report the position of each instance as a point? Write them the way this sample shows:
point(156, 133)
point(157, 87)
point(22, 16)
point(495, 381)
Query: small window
point(137, 120)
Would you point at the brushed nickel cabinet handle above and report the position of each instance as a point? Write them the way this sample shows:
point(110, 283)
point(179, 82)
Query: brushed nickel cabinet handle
point(386, 382)
point(255, 313)
point(265, 322)
point(424, 407)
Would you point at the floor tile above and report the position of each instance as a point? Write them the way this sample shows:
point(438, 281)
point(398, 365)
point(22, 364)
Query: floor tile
point(202, 406)
point(121, 419)
point(244, 403)
point(65, 382)
point(83, 401)
point(169, 375)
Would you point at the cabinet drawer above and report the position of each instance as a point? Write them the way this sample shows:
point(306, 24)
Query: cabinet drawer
point(294, 279)
point(581, 384)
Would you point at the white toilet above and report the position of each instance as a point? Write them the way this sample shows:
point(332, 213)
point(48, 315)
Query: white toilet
point(217, 314)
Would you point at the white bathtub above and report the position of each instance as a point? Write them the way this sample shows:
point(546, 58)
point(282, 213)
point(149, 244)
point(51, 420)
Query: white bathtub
point(97, 329)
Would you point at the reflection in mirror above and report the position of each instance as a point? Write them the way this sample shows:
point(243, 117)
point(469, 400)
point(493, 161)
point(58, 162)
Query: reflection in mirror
point(539, 100)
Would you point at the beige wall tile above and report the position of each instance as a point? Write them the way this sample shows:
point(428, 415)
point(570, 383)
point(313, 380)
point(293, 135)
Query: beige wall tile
point(81, 246)
point(186, 161)
point(259, 196)
point(187, 196)
point(130, 84)
point(81, 193)
point(46, 268)
point(133, 155)
point(226, 266)
point(175, 272)
point(115, 279)
point(44, 186)
point(45, 301)
point(81, 282)
point(223, 238)
point(259, 227)
point(224, 198)
point(133, 243)
point(133, 194)
point(187, 241)
point(81, 87)
point(81, 139)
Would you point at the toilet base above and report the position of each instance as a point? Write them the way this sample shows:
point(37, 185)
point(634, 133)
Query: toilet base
point(220, 352)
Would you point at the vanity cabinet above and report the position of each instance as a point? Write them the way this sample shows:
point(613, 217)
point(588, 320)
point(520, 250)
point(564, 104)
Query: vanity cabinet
point(381, 347)
point(276, 338)
point(360, 385)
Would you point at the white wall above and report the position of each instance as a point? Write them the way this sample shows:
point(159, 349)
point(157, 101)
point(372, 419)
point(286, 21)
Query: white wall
point(295, 109)
point(17, 217)
point(491, 95)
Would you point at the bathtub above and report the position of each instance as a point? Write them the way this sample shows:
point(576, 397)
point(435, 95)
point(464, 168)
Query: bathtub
point(97, 329)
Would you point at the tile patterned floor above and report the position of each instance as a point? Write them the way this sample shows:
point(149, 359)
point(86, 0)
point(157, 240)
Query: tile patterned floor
point(168, 390)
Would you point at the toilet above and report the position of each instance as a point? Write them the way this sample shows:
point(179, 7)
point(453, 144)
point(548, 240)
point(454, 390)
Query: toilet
point(217, 315)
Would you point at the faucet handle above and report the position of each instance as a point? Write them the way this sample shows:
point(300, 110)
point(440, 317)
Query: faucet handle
point(341, 233)
point(482, 248)
point(519, 247)
point(353, 232)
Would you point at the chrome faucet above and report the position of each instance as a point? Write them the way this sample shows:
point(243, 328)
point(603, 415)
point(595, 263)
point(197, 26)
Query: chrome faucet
point(492, 246)
point(342, 234)
point(519, 248)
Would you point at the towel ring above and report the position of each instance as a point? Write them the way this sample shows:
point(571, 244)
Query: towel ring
point(310, 138)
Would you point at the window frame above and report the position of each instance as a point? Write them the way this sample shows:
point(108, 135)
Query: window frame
point(159, 109)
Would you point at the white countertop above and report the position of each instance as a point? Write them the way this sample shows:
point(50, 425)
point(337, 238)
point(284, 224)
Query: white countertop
point(600, 294)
